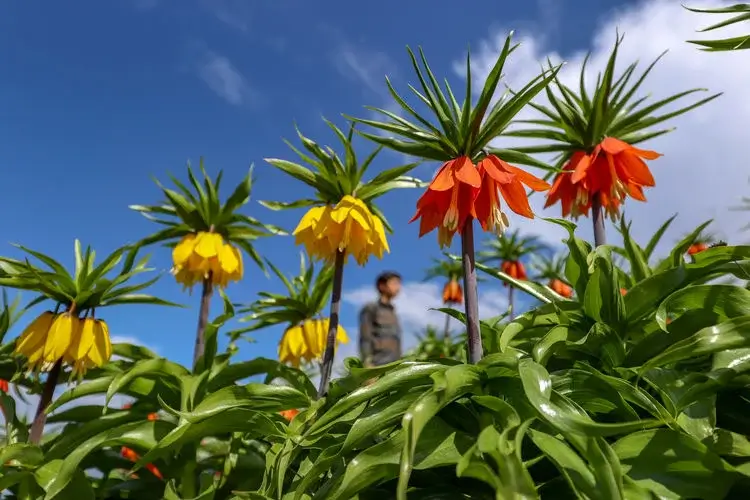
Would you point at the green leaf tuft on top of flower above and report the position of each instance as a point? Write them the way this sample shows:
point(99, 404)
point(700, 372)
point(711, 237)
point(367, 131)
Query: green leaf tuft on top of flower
point(343, 217)
point(594, 135)
point(206, 234)
point(469, 183)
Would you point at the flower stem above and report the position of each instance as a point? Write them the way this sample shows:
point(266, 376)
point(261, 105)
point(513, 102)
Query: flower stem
point(471, 299)
point(447, 329)
point(597, 217)
point(333, 325)
point(37, 427)
point(511, 304)
point(200, 338)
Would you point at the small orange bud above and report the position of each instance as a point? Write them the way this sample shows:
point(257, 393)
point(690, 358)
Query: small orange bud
point(289, 414)
point(452, 293)
point(697, 248)
point(561, 288)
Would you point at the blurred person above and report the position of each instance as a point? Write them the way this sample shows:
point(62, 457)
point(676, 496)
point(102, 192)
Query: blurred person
point(379, 329)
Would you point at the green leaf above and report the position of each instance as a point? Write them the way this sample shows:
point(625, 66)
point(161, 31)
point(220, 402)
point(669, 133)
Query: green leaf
point(451, 384)
point(28, 455)
point(138, 435)
point(439, 445)
point(673, 465)
point(279, 205)
point(732, 334)
point(560, 413)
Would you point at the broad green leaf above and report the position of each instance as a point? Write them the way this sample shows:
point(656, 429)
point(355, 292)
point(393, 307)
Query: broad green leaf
point(673, 465)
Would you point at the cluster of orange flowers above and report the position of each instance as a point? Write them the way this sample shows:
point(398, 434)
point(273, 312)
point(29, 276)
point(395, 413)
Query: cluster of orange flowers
point(612, 171)
point(515, 269)
point(452, 293)
point(461, 190)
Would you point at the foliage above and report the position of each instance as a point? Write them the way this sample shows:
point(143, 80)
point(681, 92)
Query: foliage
point(742, 11)
point(446, 268)
point(198, 208)
point(577, 120)
point(306, 296)
point(510, 246)
point(434, 346)
point(635, 387)
point(333, 178)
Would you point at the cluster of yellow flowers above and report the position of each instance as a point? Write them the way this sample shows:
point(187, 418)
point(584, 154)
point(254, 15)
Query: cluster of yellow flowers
point(81, 343)
point(307, 342)
point(205, 255)
point(347, 227)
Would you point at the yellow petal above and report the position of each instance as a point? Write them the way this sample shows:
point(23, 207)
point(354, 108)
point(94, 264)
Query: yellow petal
point(341, 335)
point(102, 346)
point(82, 343)
point(182, 251)
point(61, 333)
point(310, 218)
point(379, 233)
point(208, 244)
point(228, 259)
point(34, 337)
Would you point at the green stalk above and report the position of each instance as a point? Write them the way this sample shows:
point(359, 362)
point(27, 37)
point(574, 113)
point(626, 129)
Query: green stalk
point(333, 324)
point(40, 418)
point(200, 337)
point(471, 298)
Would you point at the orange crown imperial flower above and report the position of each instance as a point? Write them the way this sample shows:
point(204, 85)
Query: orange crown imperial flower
point(613, 170)
point(289, 414)
point(452, 293)
point(697, 247)
point(460, 135)
point(460, 191)
point(561, 288)
point(514, 269)
point(595, 130)
point(3, 385)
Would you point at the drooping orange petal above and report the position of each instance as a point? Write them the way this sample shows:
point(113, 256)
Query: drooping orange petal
point(581, 165)
point(614, 146)
point(521, 271)
point(636, 192)
point(443, 180)
point(467, 173)
point(646, 154)
point(152, 468)
point(532, 181)
point(515, 196)
point(496, 169)
point(632, 168)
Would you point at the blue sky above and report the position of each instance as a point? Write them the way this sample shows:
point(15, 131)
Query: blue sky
point(97, 97)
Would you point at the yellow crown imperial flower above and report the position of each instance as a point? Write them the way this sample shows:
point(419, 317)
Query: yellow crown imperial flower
point(205, 255)
point(348, 227)
point(78, 343)
point(307, 341)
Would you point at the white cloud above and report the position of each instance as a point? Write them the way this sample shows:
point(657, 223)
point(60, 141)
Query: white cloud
point(225, 79)
point(415, 301)
point(703, 172)
point(364, 66)
point(234, 13)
